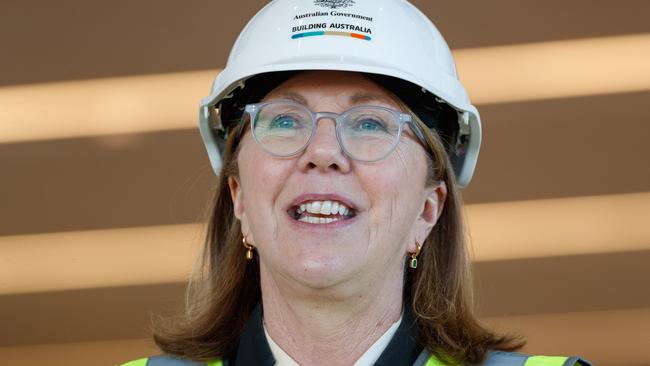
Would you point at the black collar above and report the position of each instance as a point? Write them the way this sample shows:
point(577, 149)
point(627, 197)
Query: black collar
point(253, 350)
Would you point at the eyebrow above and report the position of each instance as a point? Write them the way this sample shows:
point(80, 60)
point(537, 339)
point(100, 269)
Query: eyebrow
point(294, 97)
point(357, 98)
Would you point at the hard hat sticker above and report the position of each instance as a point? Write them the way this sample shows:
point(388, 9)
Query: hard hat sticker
point(330, 33)
point(357, 30)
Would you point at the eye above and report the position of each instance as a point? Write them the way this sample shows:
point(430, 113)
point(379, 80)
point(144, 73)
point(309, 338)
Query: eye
point(369, 125)
point(284, 121)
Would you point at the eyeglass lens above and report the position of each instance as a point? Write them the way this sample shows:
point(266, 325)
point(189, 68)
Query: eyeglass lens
point(365, 133)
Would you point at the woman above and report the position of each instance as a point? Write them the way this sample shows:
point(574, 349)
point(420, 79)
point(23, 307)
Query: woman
point(336, 236)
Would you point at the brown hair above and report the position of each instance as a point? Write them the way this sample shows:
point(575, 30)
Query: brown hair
point(227, 286)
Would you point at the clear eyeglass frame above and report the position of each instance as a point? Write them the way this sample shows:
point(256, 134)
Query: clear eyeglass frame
point(251, 112)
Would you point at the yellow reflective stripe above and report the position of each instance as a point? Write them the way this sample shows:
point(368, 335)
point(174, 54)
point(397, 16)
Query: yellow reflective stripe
point(545, 361)
point(434, 361)
point(140, 362)
point(143, 362)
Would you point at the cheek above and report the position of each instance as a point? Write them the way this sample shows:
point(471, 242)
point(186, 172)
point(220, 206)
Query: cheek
point(261, 178)
point(398, 175)
point(394, 185)
point(258, 170)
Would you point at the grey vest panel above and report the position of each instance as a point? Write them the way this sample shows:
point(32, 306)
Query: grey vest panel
point(577, 361)
point(422, 358)
point(498, 358)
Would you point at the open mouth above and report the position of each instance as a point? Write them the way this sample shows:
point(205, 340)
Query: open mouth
point(321, 212)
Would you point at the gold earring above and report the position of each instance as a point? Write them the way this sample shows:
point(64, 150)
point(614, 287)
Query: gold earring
point(249, 248)
point(413, 263)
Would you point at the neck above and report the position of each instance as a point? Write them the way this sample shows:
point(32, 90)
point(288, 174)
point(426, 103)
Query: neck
point(330, 326)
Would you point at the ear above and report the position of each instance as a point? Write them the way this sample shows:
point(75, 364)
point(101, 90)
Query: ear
point(429, 214)
point(236, 195)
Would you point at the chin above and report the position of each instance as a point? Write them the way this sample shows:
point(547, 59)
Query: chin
point(322, 273)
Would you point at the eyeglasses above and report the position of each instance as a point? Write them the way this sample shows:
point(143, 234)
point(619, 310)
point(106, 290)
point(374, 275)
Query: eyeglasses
point(365, 133)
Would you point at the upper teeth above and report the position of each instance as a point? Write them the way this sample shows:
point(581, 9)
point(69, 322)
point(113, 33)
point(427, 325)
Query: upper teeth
point(324, 208)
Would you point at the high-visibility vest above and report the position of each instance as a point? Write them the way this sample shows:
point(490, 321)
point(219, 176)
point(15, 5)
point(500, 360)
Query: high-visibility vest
point(496, 358)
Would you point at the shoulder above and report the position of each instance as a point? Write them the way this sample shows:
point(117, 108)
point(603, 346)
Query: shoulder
point(499, 358)
point(164, 360)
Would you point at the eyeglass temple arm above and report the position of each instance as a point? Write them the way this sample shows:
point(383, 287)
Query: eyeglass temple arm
point(418, 132)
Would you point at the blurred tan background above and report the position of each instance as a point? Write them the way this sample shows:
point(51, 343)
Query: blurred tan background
point(104, 181)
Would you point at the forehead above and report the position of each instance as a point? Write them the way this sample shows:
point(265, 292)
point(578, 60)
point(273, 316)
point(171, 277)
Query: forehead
point(349, 88)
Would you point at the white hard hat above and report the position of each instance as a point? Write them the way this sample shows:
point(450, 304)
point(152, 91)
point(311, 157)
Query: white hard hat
point(388, 38)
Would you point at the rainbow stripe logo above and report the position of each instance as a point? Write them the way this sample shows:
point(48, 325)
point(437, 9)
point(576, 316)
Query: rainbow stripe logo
point(330, 33)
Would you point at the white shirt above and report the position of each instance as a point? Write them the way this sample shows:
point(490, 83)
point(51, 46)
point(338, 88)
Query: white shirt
point(367, 359)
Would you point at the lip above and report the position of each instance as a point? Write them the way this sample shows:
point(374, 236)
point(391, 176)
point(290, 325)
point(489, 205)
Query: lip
point(306, 197)
point(316, 228)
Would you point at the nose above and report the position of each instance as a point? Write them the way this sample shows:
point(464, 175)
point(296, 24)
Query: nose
point(324, 153)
